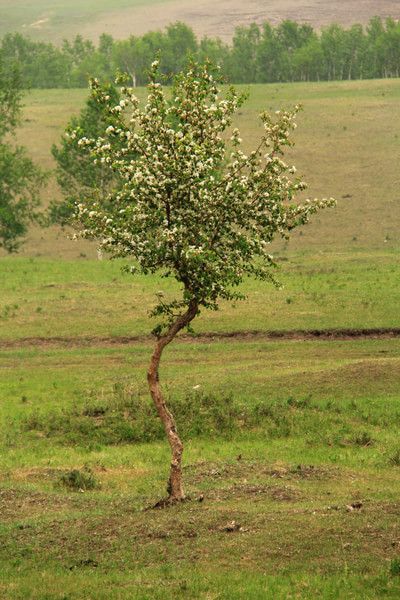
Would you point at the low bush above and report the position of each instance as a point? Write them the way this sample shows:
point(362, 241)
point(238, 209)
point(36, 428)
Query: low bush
point(395, 458)
point(125, 414)
point(78, 479)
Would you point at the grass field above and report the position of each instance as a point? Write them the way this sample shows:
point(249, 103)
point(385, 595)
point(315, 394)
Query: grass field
point(292, 456)
point(55, 20)
point(305, 462)
point(50, 298)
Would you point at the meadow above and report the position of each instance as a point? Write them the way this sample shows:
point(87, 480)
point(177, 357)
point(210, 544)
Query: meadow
point(83, 298)
point(292, 457)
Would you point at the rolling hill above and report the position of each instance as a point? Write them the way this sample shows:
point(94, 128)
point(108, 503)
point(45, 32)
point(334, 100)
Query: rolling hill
point(54, 20)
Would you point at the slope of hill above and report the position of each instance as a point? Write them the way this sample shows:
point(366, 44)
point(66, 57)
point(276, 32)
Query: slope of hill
point(56, 19)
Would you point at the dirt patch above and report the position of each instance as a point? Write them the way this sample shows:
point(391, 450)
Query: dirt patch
point(303, 472)
point(110, 341)
point(201, 471)
point(241, 469)
point(254, 492)
point(48, 475)
point(37, 474)
point(17, 504)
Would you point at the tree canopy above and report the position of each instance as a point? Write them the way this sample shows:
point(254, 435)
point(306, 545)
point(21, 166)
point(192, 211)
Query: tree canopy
point(20, 179)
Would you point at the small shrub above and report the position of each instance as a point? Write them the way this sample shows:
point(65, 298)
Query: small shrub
point(280, 428)
point(94, 411)
point(363, 439)
point(301, 403)
point(77, 479)
point(124, 415)
point(394, 569)
point(8, 311)
point(332, 407)
point(274, 418)
point(263, 410)
point(395, 459)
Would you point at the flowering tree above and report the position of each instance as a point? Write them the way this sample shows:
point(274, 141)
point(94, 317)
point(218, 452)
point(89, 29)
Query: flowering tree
point(193, 206)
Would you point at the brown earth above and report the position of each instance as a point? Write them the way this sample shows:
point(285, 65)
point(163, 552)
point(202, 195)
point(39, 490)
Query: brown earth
point(103, 341)
point(211, 18)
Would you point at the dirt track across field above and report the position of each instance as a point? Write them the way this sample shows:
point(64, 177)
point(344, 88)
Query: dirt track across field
point(104, 341)
point(211, 18)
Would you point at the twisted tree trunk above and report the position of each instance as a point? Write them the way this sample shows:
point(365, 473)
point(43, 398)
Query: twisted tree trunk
point(175, 486)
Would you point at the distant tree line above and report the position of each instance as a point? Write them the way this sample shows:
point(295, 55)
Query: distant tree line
point(288, 52)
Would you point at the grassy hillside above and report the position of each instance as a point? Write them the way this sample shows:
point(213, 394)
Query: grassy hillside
point(347, 146)
point(55, 20)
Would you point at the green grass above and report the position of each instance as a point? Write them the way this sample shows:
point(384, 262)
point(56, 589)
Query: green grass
point(50, 298)
point(305, 381)
point(327, 427)
point(191, 582)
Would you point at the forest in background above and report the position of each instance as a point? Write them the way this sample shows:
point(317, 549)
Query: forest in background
point(287, 52)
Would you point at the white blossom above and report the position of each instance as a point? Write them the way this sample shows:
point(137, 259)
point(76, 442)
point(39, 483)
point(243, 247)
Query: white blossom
point(192, 204)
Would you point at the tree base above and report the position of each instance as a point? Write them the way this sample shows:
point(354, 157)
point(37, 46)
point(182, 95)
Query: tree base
point(167, 502)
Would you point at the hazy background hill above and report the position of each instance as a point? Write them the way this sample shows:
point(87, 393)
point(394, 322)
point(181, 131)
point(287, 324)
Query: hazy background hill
point(57, 19)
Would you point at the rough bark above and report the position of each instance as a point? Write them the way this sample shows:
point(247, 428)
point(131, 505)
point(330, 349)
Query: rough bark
point(175, 485)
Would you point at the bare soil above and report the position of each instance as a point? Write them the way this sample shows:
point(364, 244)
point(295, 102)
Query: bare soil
point(107, 341)
point(17, 503)
point(198, 472)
